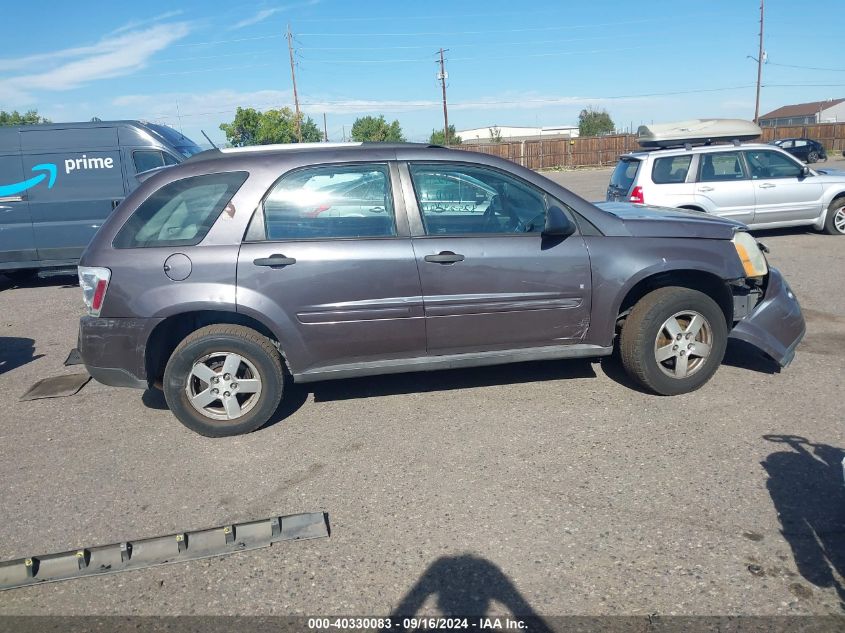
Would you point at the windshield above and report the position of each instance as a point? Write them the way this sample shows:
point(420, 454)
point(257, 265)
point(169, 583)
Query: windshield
point(624, 174)
point(182, 143)
point(188, 150)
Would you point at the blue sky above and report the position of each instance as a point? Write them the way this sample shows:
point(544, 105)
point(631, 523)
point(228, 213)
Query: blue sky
point(189, 64)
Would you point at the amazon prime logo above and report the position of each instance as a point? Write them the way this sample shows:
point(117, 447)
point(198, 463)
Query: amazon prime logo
point(75, 164)
point(47, 169)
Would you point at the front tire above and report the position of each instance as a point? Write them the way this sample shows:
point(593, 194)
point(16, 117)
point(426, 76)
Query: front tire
point(674, 340)
point(813, 157)
point(224, 380)
point(834, 222)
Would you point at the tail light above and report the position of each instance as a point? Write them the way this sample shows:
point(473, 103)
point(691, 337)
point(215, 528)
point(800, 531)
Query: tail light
point(637, 196)
point(94, 283)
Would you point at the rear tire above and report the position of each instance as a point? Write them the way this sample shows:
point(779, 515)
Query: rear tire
point(834, 222)
point(673, 341)
point(224, 380)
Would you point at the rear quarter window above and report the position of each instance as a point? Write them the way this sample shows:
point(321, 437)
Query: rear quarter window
point(181, 212)
point(671, 169)
point(623, 176)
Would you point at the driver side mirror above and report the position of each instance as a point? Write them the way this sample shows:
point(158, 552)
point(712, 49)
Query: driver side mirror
point(805, 171)
point(558, 223)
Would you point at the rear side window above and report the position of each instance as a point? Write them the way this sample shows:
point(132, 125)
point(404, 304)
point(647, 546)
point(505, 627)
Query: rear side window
point(623, 176)
point(146, 159)
point(331, 201)
point(671, 169)
point(181, 212)
point(721, 167)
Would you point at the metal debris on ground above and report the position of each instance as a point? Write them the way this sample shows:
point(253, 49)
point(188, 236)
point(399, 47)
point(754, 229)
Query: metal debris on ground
point(160, 550)
point(56, 387)
point(74, 358)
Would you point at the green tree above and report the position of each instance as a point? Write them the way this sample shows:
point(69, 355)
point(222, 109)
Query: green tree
point(251, 127)
point(30, 117)
point(438, 138)
point(376, 129)
point(594, 122)
point(495, 134)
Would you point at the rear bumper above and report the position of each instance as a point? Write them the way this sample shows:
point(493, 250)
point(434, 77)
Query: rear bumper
point(114, 350)
point(776, 325)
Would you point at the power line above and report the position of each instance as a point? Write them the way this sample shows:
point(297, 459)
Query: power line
point(833, 70)
point(483, 57)
point(523, 30)
point(473, 46)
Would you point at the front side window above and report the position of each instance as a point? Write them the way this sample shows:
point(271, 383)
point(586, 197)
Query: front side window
point(146, 159)
point(721, 167)
point(465, 199)
point(181, 212)
point(768, 164)
point(671, 169)
point(331, 201)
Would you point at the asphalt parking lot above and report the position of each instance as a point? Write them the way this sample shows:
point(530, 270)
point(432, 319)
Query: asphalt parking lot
point(552, 486)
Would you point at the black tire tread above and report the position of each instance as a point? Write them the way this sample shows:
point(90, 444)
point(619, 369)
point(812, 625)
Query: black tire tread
point(240, 332)
point(636, 341)
point(836, 203)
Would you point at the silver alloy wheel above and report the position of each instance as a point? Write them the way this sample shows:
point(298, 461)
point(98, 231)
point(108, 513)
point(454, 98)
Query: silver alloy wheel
point(839, 220)
point(683, 344)
point(223, 386)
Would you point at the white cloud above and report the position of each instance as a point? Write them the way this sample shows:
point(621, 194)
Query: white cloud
point(258, 17)
point(268, 13)
point(73, 67)
point(134, 24)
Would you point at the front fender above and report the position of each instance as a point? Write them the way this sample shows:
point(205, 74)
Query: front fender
point(620, 263)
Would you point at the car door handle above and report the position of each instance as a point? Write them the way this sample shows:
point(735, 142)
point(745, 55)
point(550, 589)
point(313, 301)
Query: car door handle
point(705, 188)
point(274, 261)
point(767, 185)
point(446, 257)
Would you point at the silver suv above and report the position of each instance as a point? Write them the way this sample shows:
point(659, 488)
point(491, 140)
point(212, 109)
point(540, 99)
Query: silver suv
point(759, 185)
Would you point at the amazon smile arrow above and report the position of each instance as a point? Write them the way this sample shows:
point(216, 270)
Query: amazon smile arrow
point(18, 187)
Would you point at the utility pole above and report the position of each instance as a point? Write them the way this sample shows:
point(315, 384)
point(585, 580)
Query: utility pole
point(442, 76)
point(759, 67)
point(325, 129)
point(289, 36)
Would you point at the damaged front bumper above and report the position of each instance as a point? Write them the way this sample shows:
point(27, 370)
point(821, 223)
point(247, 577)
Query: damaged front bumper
point(775, 325)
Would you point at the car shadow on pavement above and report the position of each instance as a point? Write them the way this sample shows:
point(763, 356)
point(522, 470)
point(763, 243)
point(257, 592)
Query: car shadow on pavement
point(15, 352)
point(806, 486)
point(65, 278)
point(295, 395)
point(745, 356)
point(466, 586)
point(450, 379)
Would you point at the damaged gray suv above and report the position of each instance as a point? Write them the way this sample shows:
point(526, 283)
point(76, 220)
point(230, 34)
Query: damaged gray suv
point(222, 278)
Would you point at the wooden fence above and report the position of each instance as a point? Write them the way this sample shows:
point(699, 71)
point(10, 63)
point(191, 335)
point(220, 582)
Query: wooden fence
point(604, 150)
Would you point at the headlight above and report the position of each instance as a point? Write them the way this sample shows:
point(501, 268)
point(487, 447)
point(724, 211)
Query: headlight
point(752, 258)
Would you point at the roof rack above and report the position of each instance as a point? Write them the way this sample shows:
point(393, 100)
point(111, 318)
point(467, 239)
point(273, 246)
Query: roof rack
point(282, 146)
point(697, 132)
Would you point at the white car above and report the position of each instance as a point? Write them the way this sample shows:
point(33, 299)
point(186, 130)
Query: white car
point(759, 185)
